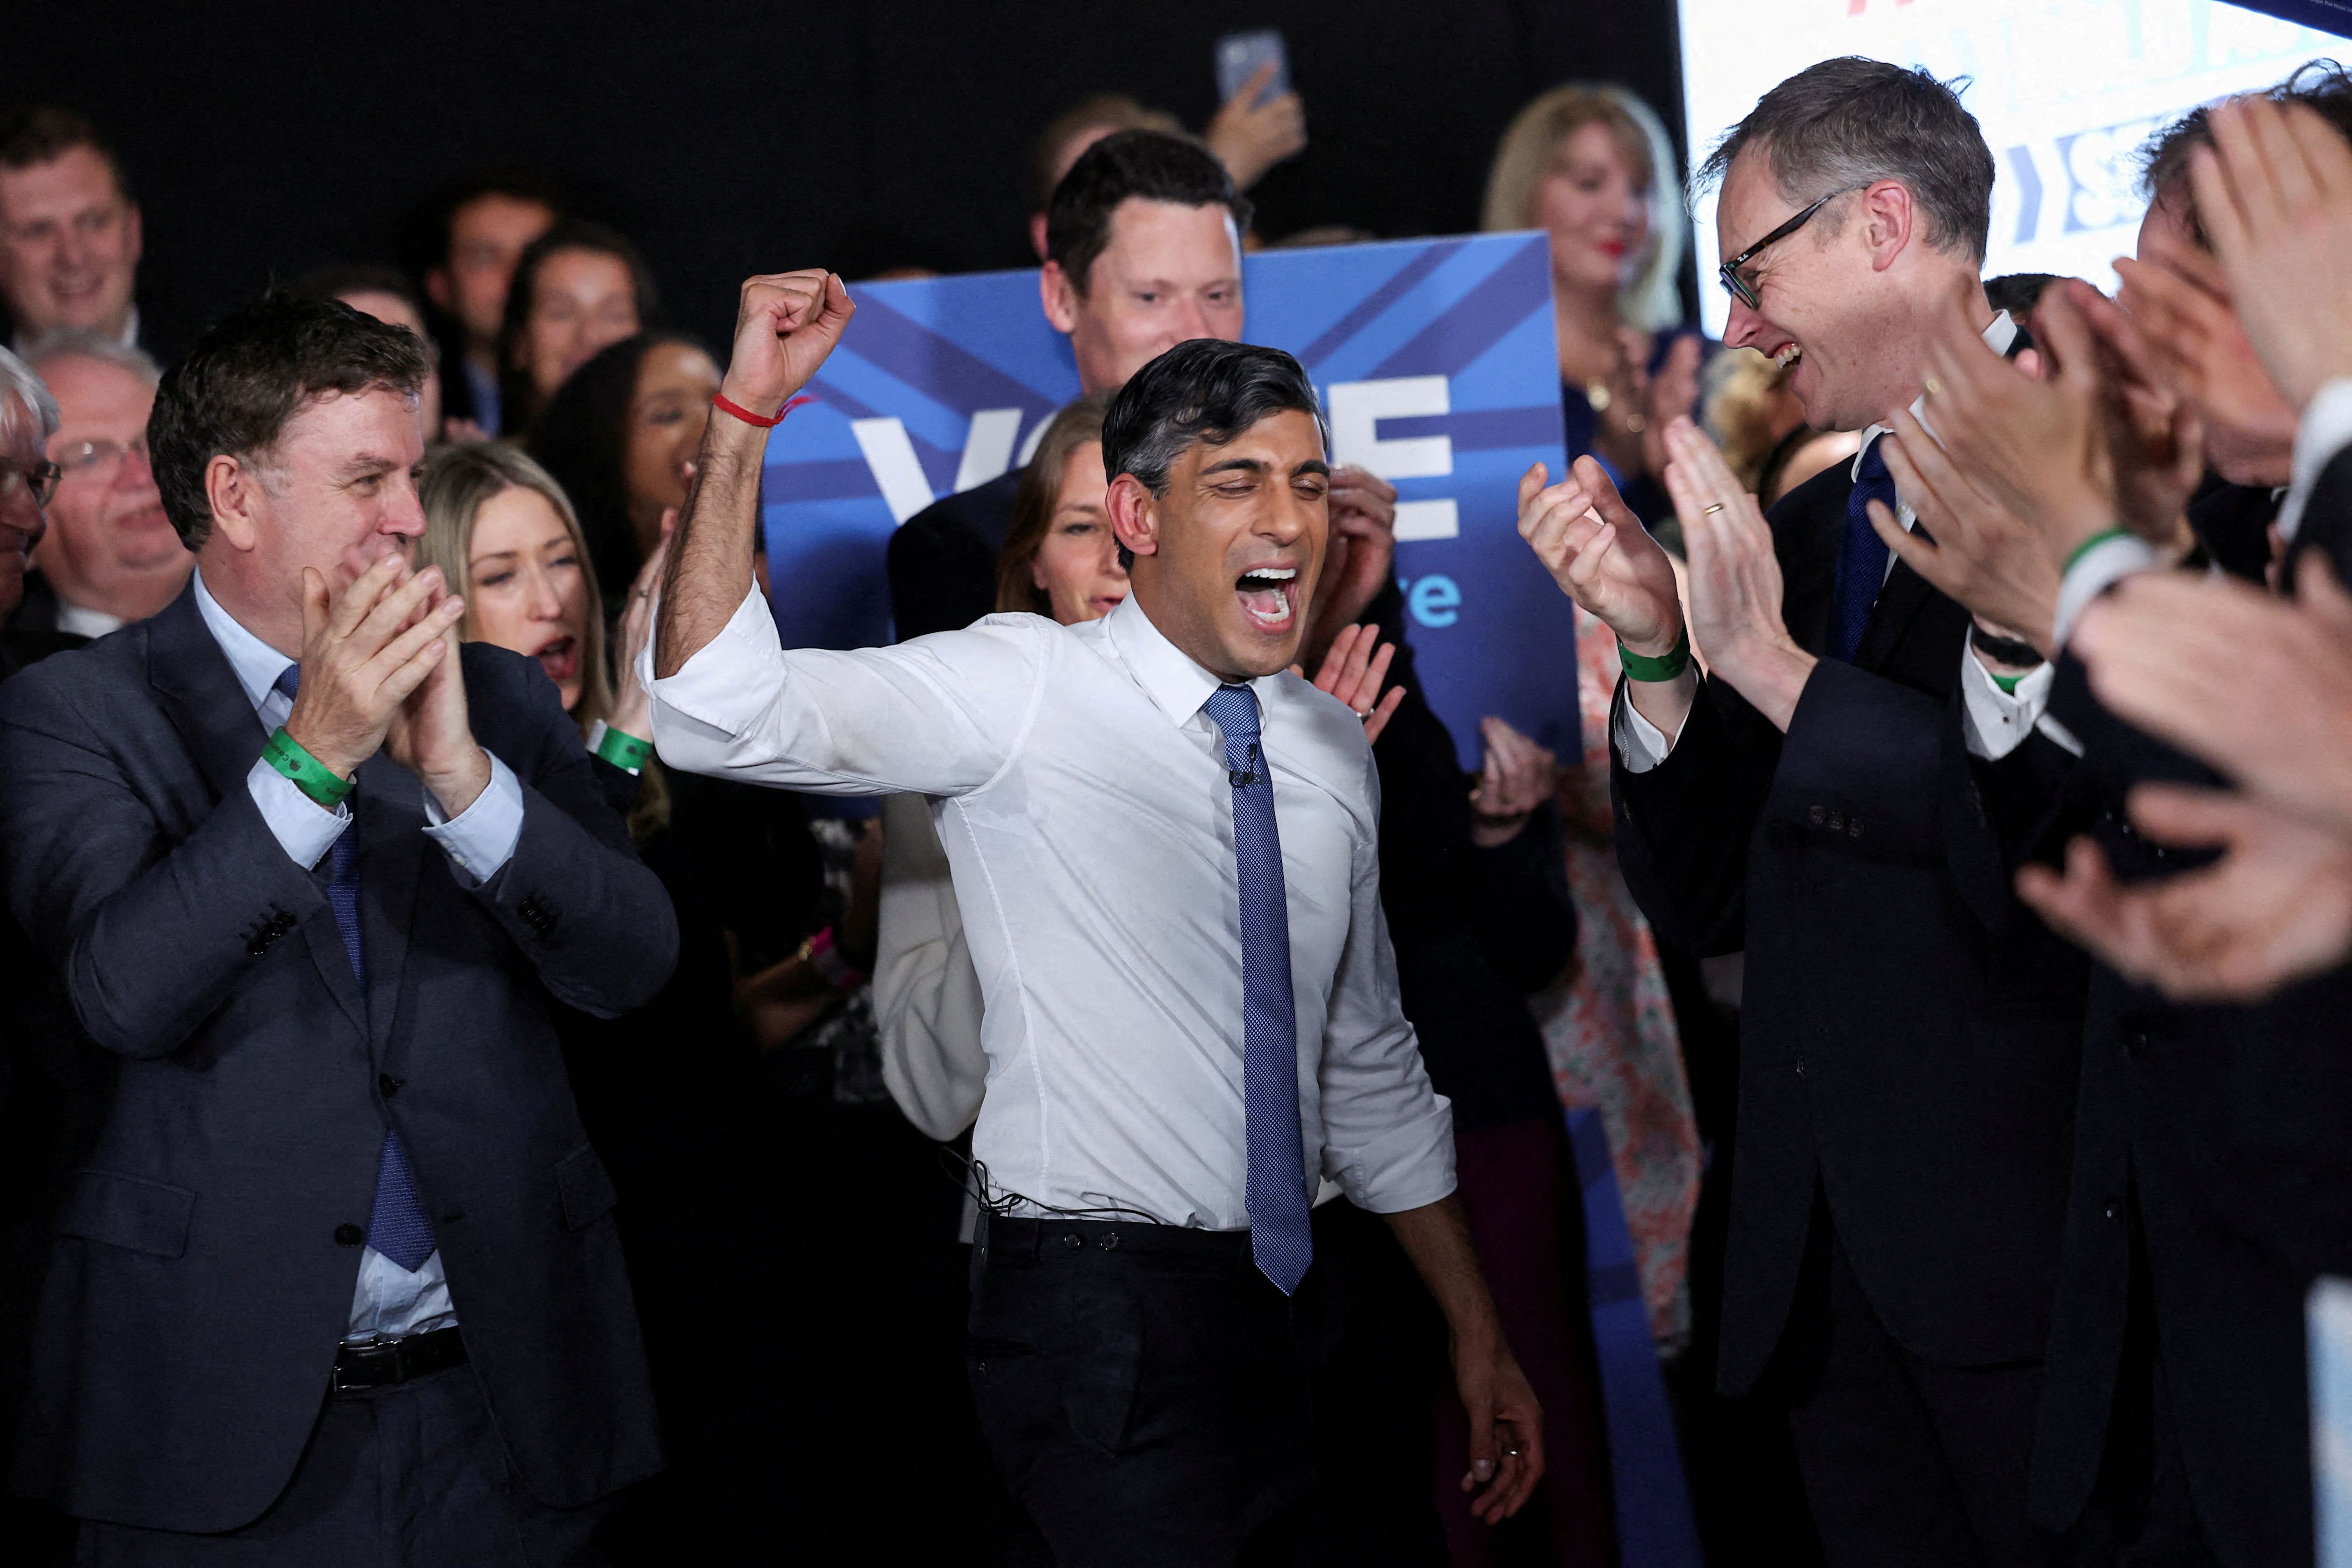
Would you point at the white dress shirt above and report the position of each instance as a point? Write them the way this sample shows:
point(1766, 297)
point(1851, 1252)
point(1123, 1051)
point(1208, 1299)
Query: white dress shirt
point(1084, 802)
point(1996, 723)
point(388, 1300)
point(83, 622)
point(927, 1001)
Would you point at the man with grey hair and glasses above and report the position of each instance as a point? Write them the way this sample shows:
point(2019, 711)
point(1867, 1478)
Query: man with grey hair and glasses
point(112, 555)
point(1842, 794)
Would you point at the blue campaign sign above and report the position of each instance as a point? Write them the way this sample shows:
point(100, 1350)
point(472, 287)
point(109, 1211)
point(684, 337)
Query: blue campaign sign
point(1436, 363)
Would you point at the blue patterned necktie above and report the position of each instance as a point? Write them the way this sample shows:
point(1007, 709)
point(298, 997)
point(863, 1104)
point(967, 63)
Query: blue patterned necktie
point(1280, 1238)
point(397, 1226)
point(1861, 555)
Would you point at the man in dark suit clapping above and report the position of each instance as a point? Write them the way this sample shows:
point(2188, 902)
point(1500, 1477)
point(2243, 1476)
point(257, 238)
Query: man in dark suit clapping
point(1841, 796)
point(339, 1280)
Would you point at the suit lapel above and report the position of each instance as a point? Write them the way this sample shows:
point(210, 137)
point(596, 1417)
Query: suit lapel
point(201, 694)
point(1808, 526)
point(390, 806)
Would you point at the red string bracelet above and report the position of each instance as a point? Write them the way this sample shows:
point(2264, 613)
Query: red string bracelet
point(725, 403)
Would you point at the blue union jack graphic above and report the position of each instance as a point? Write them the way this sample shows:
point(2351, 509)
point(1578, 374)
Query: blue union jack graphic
point(1436, 364)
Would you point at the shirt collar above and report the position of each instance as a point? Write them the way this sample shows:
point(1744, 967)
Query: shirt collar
point(1166, 672)
point(1997, 337)
point(257, 665)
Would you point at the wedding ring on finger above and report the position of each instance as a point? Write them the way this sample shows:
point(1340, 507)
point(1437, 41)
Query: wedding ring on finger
point(1934, 386)
point(1711, 508)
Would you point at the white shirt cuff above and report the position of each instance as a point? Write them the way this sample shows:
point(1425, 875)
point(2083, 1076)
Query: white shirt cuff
point(732, 681)
point(480, 839)
point(2324, 430)
point(1999, 722)
point(304, 829)
point(2093, 572)
point(1641, 744)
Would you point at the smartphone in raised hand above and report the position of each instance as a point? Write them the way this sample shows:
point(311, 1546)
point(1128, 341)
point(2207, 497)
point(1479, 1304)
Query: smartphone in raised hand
point(1241, 55)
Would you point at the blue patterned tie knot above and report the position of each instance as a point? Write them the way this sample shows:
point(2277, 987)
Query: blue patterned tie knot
point(397, 1225)
point(1861, 555)
point(1281, 1239)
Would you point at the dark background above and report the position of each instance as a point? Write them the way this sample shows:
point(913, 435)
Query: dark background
point(266, 139)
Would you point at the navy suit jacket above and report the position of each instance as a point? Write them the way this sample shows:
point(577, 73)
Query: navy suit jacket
point(206, 1256)
point(1911, 1034)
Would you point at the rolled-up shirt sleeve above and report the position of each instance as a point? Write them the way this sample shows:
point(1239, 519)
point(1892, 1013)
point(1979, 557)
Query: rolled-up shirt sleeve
point(1387, 1135)
point(942, 715)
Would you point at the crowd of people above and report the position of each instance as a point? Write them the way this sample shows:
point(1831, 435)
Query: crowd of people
point(506, 1061)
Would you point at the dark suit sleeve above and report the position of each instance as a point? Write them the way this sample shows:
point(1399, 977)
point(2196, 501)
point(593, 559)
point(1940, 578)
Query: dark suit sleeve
point(1683, 826)
point(592, 920)
point(92, 873)
point(2326, 525)
point(942, 576)
point(1869, 750)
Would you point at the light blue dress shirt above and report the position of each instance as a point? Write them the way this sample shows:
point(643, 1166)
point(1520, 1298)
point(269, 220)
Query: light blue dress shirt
point(388, 1301)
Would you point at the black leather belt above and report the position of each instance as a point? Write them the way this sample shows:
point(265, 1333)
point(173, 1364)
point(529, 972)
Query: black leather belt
point(373, 1364)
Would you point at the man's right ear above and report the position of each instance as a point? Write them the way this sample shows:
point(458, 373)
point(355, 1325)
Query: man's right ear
point(1134, 515)
point(436, 288)
point(1059, 296)
point(233, 490)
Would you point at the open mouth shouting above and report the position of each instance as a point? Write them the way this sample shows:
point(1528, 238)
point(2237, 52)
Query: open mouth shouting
point(561, 659)
point(1269, 596)
point(1787, 354)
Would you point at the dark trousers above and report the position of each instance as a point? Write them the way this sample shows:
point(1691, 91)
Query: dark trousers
point(1908, 1462)
point(412, 1475)
point(1151, 1399)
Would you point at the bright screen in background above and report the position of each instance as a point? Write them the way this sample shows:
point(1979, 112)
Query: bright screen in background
point(2066, 91)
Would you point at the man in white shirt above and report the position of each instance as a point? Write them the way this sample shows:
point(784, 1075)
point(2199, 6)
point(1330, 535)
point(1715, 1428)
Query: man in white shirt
point(1840, 794)
point(1165, 848)
point(112, 555)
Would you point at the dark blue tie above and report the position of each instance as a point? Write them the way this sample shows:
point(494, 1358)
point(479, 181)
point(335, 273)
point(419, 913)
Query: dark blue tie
point(397, 1226)
point(1280, 1238)
point(1861, 555)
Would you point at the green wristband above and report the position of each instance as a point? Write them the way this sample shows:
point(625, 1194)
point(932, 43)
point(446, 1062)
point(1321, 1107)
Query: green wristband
point(1641, 666)
point(2093, 543)
point(626, 752)
point(312, 777)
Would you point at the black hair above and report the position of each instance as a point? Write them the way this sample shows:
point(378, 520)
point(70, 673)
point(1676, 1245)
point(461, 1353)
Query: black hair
point(518, 399)
point(44, 134)
point(1843, 123)
point(583, 440)
point(2017, 292)
point(233, 393)
point(1151, 164)
point(1204, 390)
point(2321, 86)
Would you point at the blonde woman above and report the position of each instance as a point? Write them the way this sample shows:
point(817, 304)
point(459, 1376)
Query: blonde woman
point(1589, 164)
point(505, 536)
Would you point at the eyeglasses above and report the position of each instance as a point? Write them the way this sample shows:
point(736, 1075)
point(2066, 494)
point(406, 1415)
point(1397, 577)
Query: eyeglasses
point(81, 456)
point(1745, 291)
point(40, 478)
